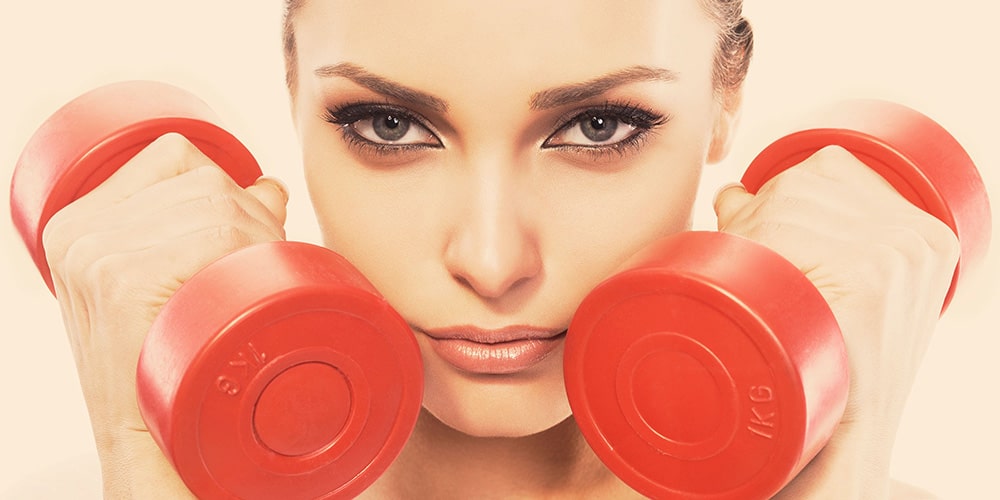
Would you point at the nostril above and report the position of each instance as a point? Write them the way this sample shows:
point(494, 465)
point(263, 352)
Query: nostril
point(490, 287)
point(492, 275)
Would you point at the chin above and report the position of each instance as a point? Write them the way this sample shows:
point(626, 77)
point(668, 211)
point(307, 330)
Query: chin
point(497, 406)
point(498, 425)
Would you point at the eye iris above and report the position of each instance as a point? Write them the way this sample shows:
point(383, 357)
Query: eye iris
point(389, 127)
point(599, 128)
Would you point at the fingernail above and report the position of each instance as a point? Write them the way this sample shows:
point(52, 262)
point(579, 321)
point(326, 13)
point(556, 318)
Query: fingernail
point(728, 185)
point(277, 183)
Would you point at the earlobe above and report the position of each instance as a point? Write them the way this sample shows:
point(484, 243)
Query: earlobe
point(727, 119)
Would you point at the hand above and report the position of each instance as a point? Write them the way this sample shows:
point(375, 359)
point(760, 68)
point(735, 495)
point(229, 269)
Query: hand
point(884, 266)
point(118, 253)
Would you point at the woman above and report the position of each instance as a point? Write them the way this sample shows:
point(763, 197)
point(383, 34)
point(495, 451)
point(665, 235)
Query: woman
point(483, 188)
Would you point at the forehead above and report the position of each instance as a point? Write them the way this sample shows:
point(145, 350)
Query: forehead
point(436, 44)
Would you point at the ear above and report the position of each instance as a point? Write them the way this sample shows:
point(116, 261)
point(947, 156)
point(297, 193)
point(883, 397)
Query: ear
point(727, 118)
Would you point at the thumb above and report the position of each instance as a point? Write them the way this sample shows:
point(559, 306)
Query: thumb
point(729, 201)
point(273, 194)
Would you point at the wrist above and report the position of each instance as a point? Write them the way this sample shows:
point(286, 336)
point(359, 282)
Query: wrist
point(132, 466)
point(853, 465)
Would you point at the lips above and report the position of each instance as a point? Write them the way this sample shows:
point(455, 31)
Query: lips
point(494, 352)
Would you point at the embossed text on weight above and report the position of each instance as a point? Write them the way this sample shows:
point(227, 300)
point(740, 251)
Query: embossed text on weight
point(247, 362)
point(762, 412)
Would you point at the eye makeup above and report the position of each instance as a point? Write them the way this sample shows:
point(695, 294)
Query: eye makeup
point(596, 133)
point(614, 128)
point(381, 129)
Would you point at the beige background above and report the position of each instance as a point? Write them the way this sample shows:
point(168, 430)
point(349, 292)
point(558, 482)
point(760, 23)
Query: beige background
point(939, 59)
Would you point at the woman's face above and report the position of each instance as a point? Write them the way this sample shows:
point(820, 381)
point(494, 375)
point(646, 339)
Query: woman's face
point(486, 164)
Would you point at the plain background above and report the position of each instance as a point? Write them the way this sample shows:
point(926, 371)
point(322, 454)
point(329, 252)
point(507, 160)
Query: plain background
point(938, 59)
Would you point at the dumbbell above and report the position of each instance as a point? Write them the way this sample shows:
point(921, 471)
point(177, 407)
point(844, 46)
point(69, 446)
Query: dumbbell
point(277, 371)
point(711, 367)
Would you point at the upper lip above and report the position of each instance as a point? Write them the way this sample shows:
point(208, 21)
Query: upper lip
point(492, 336)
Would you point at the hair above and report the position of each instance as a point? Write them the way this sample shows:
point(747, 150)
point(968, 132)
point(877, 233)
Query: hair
point(733, 50)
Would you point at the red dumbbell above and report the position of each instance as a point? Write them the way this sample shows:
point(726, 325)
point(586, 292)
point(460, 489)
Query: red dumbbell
point(712, 368)
point(278, 371)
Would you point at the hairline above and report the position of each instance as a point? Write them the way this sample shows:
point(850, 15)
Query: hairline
point(714, 9)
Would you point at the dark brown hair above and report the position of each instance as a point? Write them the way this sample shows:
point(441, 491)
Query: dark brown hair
point(732, 52)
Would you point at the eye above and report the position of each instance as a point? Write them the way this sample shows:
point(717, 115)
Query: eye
point(382, 125)
point(608, 126)
point(592, 130)
point(392, 128)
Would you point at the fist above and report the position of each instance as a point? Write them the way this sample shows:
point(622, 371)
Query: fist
point(119, 252)
point(883, 265)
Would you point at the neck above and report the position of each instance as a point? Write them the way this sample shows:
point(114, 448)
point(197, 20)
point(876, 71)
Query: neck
point(440, 462)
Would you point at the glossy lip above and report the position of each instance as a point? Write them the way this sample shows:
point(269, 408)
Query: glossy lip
point(501, 351)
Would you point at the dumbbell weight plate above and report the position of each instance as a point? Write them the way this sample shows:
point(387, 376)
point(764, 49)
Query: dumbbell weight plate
point(690, 377)
point(713, 368)
point(279, 372)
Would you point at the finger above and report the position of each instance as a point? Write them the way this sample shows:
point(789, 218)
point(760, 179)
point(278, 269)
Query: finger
point(841, 165)
point(273, 194)
point(151, 275)
point(730, 201)
point(168, 156)
point(219, 212)
point(208, 183)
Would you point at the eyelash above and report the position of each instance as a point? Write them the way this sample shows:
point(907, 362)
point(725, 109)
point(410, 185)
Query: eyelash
point(643, 119)
point(350, 113)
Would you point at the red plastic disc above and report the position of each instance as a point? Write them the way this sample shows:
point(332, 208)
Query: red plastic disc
point(918, 157)
point(690, 376)
point(296, 380)
point(92, 136)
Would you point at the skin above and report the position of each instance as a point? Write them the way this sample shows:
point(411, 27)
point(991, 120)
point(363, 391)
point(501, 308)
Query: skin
point(509, 232)
point(497, 221)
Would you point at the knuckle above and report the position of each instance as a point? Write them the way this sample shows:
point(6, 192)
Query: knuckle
point(55, 239)
point(214, 178)
point(785, 184)
point(115, 279)
point(766, 230)
point(173, 144)
point(833, 153)
point(878, 273)
point(838, 163)
point(226, 206)
point(925, 242)
point(232, 237)
point(781, 205)
point(79, 260)
point(941, 238)
point(102, 278)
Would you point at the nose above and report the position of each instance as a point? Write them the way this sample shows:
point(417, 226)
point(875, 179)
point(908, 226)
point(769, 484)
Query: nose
point(493, 248)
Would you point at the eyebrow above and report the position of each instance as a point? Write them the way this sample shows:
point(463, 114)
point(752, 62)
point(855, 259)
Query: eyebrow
point(575, 92)
point(545, 99)
point(381, 85)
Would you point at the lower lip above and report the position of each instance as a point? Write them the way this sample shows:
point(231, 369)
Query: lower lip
point(502, 358)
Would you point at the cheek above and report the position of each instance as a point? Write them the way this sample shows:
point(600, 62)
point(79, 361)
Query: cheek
point(597, 221)
point(593, 229)
point(386, 222)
